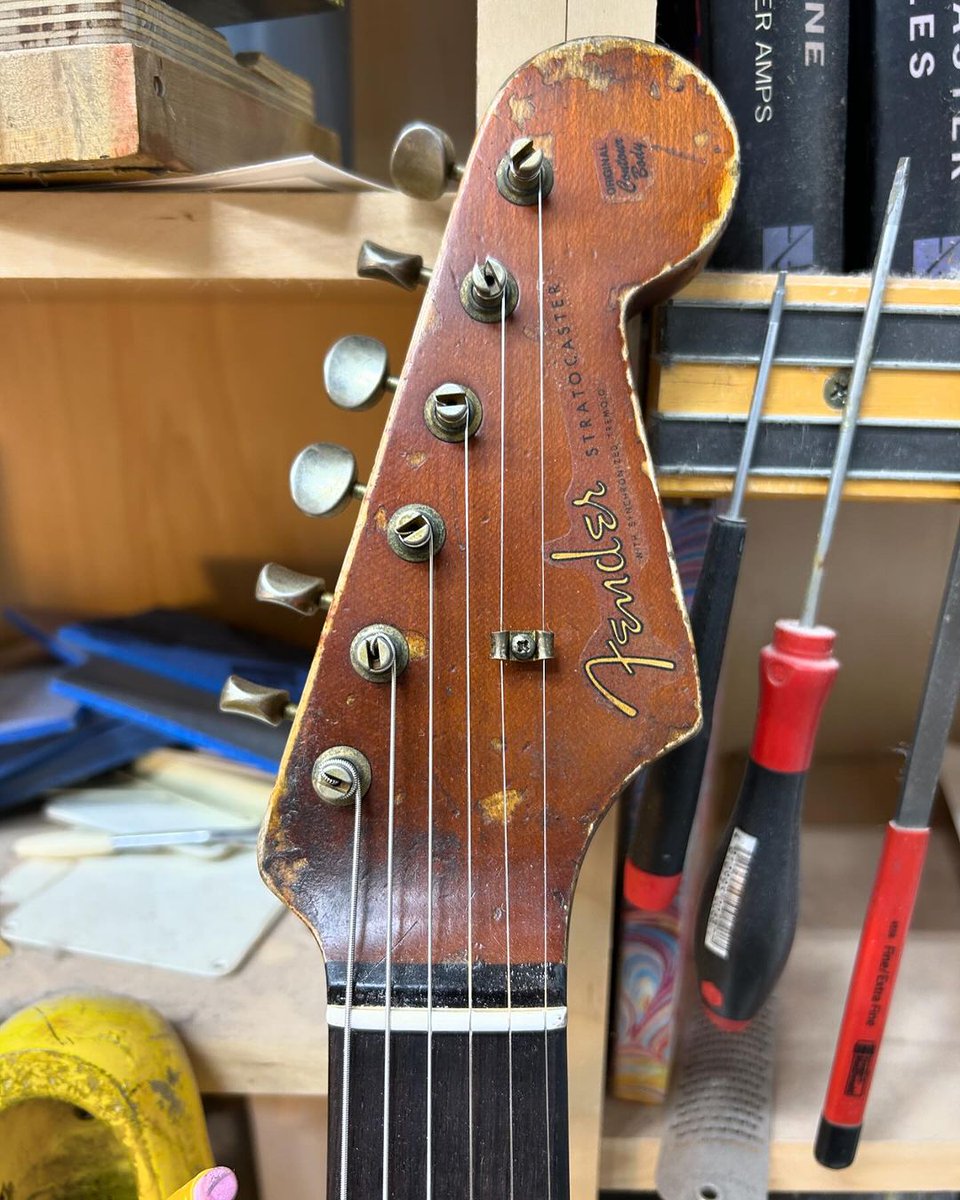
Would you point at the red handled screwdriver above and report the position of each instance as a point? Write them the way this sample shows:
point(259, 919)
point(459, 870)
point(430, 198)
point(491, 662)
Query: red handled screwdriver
point(894, 893)
point(748, 911)
point(668, 803)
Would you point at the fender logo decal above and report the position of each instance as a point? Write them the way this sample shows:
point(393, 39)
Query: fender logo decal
point(600, 523)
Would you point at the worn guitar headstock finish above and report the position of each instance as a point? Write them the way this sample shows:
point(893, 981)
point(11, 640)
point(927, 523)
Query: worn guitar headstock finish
point(641, 167)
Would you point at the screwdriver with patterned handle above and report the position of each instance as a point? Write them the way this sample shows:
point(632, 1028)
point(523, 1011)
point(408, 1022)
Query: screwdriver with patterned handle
point(748, 910)
point(894, 893)
point(668, 803)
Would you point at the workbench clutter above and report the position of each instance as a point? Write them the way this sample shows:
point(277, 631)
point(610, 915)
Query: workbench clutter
point(122, 686)
point(128, 867)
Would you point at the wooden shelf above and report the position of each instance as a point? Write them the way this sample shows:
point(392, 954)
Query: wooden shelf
point(911, 1139)
point(148, 237)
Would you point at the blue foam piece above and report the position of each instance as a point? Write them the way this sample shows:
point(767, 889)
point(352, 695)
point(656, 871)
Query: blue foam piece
point(96, 745)
point(42, 625)
point(173, 711)
point(29, 710)
point(189, 649)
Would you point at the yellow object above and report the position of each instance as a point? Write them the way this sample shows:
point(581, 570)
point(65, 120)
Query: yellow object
point(97, 1102)
point(186, 1192)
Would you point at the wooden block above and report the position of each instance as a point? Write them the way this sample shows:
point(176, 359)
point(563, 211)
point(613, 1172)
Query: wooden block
point(153, 25)
point(96, 111)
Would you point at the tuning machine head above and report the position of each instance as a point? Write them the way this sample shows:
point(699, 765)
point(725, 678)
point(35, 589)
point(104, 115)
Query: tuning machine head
point(525, 174)
point(268, 704)
point(391, 266)
point(423, 162)
point(323, 479)
point(303, 594)
point(356, 372)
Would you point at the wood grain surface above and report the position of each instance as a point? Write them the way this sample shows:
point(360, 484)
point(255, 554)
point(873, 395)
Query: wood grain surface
point(102, 112)
point(622, 686)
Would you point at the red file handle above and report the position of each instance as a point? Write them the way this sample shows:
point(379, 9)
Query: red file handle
point(871, 992)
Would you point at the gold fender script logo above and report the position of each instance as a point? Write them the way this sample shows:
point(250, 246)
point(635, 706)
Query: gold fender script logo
point(599, 521)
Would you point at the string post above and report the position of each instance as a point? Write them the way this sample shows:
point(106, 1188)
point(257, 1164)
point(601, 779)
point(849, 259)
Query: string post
point(524, 174)
point(341, 775)
point(489, 293)
point(377, 650)
point(416, 532)
point(450, 409)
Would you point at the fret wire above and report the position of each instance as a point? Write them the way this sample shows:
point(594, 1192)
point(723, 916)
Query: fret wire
point(388, 956)
point(543, 688)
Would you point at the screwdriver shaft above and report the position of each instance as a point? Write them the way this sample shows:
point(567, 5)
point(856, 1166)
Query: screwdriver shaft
point(759, 392)
point(866, 344)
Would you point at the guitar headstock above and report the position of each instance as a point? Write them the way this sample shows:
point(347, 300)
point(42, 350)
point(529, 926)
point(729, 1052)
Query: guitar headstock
point(542, 650)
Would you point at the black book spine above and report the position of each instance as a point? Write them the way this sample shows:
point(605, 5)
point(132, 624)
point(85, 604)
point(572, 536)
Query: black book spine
point(781, 66)
point(916, 112)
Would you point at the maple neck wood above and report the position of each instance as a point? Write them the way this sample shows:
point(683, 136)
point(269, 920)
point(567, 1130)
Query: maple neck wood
point(540, 1125)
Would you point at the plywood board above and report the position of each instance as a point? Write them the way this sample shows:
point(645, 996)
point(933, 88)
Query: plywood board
point(121, 108)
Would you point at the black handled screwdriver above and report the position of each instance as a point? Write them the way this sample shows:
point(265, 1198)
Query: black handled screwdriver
point(748, 911)
point(668, 804)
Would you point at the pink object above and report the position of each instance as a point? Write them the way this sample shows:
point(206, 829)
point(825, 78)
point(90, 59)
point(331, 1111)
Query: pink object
point(218, 1184)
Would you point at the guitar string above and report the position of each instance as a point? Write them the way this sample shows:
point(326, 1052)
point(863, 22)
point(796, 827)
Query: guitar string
point(469, 765)
point(543, 692)
point(503, 724)
point(429, 1180)
point(348, 990)
point(388, 957)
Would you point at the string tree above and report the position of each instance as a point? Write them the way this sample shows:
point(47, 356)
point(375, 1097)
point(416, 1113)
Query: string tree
point(521, 645)
point(323, 479)
point(524, 174)
point(248, 699)
point(356, 372)
point(303, 594)
point(392, 266)
point(423, 163)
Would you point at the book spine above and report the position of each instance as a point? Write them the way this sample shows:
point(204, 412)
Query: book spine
point(916, 111)
point(781, 65)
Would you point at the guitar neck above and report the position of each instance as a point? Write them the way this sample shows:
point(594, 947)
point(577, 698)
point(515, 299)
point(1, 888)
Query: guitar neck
point(519, 1111)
